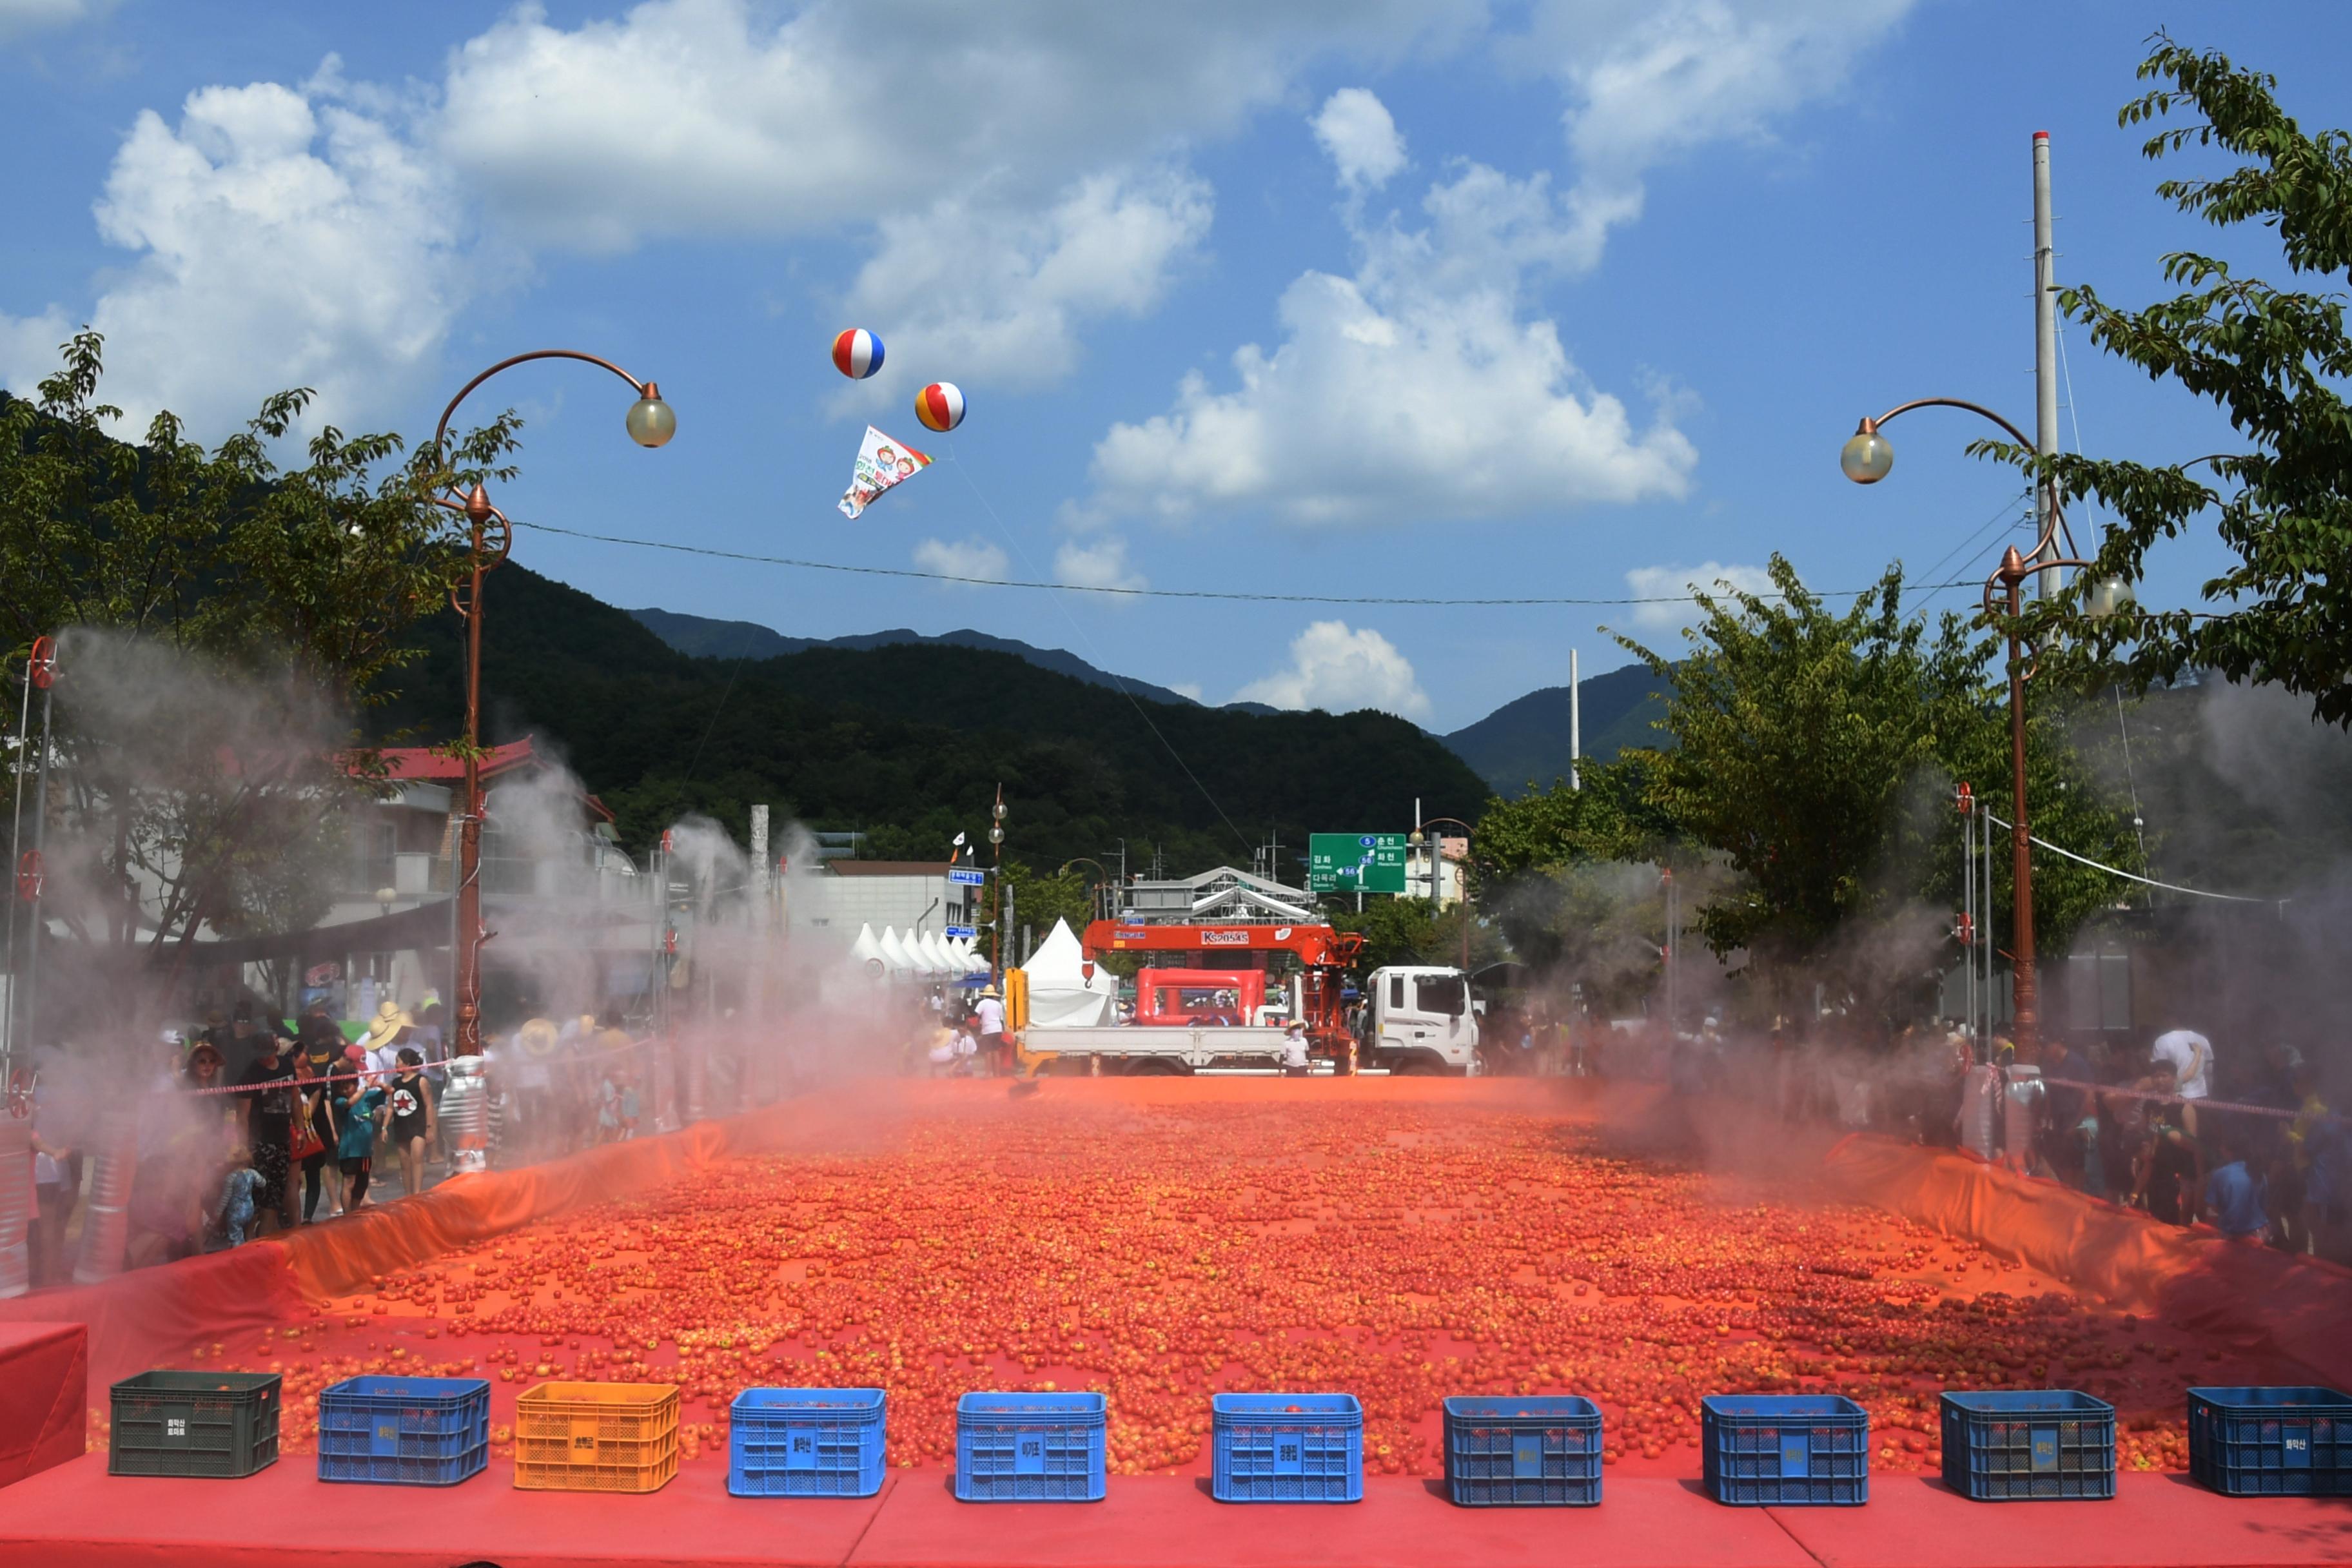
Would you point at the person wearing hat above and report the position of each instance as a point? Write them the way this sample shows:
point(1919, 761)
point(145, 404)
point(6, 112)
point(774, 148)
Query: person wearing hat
point(386, 1032)
point(989, 1021)
point(1294, 1051)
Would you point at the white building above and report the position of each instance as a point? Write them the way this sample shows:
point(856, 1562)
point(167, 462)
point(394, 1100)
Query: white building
point(906, 895)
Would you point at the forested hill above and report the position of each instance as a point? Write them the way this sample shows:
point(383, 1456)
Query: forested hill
point(909, 742)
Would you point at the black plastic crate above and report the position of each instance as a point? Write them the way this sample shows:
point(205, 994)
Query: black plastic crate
point(220, 1425)
point(1786, 1450)
point(2045, 1444)
point(2271, 1442)
point(1537, 1452)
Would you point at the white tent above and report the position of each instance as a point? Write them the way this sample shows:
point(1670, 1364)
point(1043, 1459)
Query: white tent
point(974, 960)
point(866, 948)
point(893, 953)
point(1060, 995)
point(935, 956)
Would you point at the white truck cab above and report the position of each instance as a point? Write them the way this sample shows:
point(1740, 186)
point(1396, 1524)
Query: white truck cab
point(1420, 1020)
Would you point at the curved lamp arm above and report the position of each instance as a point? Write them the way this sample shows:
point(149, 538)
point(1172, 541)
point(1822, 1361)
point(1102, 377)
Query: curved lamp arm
point(646, 390)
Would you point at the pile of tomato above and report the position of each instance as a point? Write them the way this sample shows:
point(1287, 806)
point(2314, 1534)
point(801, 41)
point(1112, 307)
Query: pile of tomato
point(1401, 1251)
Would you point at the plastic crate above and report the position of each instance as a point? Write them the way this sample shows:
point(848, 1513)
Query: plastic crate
point(220, 1425)
point(2038, 1446)
point(1542, 1452)
point(1286, 1448)
point(596, 1437)
point(1786, 1450)
point(806, 1442)
point(405, 1431)
point(1032, 1447)
point(2271, 1442)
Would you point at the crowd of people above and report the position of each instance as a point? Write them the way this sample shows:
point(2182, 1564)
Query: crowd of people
point(2167, 1124)
point(250, 1125)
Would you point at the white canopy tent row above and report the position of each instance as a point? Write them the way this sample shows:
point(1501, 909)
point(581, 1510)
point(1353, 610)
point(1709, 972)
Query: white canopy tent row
point(916, 956)
point(1062, 995)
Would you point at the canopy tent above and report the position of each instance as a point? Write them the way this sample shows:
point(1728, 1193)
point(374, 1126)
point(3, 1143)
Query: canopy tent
point(902, 963)
point(866, 950)
point(1061, 995)
point(935, 952)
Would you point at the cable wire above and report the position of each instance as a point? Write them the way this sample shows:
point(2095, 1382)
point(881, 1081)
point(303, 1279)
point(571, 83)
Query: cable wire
point(1234, 595)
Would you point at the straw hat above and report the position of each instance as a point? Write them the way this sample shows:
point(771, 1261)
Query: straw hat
point(389, 1021)
point(538, 1036)
point(988, 990)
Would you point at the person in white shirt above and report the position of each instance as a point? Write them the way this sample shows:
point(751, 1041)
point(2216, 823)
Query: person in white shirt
point(988, 1019)
point(2191, 1056)
point(1294, 1051)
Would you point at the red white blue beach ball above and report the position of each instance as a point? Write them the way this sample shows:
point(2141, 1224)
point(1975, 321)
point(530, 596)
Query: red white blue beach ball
point(858, 354)
point(939, 405)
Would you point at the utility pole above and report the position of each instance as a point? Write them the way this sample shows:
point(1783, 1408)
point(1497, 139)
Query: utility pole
point(1575, 723)
point(2045, 343)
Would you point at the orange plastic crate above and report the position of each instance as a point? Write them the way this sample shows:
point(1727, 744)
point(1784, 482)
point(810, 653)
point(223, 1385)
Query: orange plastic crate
point(596, 1437)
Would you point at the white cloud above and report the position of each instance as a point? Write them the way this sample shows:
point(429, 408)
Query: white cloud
point(19, 18)
point(1673, 584)
point(1001, 294)
point(713, 116)
point(1191, 688)
point(1101, 565)
point(971, 557)
point(1414, 390)
point(1356, 130)
point(1339, 671)
point(1648, 81)
point(281, 239)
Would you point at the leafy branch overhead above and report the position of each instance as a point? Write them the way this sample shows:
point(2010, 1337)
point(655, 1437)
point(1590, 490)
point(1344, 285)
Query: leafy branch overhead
point(2274, 361)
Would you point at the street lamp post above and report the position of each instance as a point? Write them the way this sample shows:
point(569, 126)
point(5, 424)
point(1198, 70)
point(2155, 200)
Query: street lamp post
point(1866, 458)
point(650, 423)
point(1416, 837)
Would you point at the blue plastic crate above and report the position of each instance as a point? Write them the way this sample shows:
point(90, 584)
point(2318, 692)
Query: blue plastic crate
point(2045, 1444)
point(1286, 1448)
point(806, 1442)
point(1786, 1450)
point(1032, 1447)
point(405, 1431)
point(1541, 1452)
point(2271, 1442)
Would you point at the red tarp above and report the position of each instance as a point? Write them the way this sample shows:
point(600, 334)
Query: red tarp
point(76, 1516)
point(44, 1384)
point(2190, 1277)
point(148, 1316)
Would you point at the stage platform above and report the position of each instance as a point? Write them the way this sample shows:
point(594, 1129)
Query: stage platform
point(76, 1516)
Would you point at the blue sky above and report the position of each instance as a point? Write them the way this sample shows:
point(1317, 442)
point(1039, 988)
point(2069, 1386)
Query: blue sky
point(1348, 297)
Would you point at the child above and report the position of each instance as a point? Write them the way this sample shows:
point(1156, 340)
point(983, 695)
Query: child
point(628, 1106)
point(361, 1106)
point(240, 1194)
point(608, 1107)
point(410, 1109)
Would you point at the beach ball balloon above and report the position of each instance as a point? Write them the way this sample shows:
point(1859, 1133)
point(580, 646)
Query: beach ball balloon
point(939, 405)
point(858, 354)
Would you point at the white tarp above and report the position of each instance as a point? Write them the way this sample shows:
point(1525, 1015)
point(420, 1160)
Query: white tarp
point(1060, 997)
point(893, 953)
point(935, 958)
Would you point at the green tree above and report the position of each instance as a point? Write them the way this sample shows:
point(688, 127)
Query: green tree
point(1816, 753)
point(226, 616)
point(2274, 361)
point(1040, 898)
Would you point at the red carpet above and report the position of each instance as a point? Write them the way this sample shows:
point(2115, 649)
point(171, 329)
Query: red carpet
point(76, 1516)
point(44, 1384)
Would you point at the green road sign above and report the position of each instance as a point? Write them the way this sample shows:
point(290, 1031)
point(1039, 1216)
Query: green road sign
point(1355, 862)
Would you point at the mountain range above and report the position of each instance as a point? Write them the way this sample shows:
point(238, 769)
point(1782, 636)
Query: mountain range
point(1523, 742)
point(909, 742)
